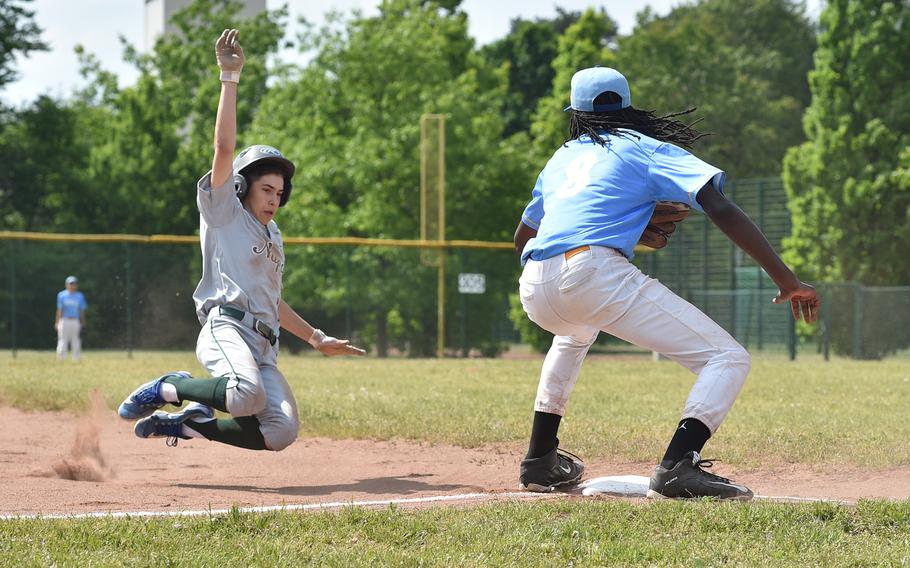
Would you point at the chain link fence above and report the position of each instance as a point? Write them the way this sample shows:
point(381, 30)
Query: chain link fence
point(139, 294)
point(864, 322)
point(704, 267)
point(382, 296)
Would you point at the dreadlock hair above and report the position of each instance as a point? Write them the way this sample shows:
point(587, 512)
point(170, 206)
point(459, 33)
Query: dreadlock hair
point(662, 128)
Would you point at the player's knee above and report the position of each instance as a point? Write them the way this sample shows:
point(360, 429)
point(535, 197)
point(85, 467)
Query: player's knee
point(742, 359)
point(737, 357)
point(247, 401)
point(277, 439)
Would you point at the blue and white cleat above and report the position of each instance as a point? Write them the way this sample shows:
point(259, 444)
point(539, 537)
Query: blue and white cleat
point(147, 398)
point(170, 424)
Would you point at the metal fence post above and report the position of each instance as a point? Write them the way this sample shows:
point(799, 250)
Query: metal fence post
point(826, 337)
point(129, 300)
point(761, 292)
point(679, 263)
point(791, 332)
point(857, 320)
point(12, 294)
point(441, 305)
point(462, 301)
point(684, 263)
point(347, 292)
point(733, 309)
point(704, 266)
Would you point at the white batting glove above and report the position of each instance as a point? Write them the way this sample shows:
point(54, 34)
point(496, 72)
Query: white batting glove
point(330, 346)
point(229, 55)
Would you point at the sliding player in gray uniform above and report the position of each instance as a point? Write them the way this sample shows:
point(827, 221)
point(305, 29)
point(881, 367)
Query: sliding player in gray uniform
point(238, 299)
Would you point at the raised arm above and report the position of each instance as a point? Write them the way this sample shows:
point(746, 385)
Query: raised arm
point(230, 60)
point(740, 229)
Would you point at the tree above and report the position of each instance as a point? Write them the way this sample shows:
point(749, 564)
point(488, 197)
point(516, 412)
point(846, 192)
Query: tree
point(44, 159)
point(779, 25)
point(355, 131)
point(849, 183)
point(742, 63)
point(19, 35)
point(528, 50)
point(585, 43)
point(150, 142)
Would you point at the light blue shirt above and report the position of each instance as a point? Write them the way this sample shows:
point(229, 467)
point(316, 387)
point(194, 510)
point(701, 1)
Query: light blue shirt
point(593, 195)
point(71, 305)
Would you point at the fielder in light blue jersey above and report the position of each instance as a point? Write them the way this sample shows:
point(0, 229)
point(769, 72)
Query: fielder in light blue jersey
point(70, 319)
point(604, 195)
point(590, 206)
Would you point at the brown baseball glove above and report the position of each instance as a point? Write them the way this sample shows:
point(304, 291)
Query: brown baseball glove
point(662, 223)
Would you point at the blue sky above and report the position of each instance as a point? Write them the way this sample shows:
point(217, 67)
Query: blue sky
point(97, 25)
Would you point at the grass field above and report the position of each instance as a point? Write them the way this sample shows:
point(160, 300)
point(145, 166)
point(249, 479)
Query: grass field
point(579, 533)
point(807, 412)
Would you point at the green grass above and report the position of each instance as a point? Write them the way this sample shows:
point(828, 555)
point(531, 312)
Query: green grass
point(808, 412)
point(564, 533)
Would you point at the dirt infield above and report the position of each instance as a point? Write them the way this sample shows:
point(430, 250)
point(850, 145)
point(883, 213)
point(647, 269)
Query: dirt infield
point(58, 463)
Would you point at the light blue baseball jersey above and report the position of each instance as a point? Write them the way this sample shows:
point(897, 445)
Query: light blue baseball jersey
point(589, 194)
point(71, 304)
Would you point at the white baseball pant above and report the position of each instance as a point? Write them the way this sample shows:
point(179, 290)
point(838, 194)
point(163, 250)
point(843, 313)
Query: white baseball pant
point(600, 290)
point(68, 330)
point(228, 348)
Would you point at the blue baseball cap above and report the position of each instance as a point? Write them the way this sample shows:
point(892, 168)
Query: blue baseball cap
point(588, 84)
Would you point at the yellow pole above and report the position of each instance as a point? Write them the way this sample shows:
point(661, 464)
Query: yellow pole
point(441, 299)
point(423, 181)
point(441, 306)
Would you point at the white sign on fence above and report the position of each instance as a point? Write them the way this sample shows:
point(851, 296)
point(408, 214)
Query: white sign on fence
point(469, 283)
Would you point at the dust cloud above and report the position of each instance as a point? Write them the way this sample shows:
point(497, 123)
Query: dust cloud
point(85, 461)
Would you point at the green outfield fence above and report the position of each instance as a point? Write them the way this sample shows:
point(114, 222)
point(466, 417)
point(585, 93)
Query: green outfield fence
point(377, 292)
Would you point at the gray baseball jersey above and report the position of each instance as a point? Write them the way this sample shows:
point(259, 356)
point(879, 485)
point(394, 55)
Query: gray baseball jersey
point(242, 265)
point(242, 260)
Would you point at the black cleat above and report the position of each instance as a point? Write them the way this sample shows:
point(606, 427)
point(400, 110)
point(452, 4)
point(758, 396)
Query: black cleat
point(687, 480)
point(556, 469)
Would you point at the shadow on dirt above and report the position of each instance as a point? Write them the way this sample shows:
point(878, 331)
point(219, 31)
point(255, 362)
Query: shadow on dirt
point(400, 485)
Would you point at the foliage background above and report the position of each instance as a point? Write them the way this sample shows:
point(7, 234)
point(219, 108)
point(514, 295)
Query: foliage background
point(825, 106)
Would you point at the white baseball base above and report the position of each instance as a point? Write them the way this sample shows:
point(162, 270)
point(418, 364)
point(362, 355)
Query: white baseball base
point(618, 485)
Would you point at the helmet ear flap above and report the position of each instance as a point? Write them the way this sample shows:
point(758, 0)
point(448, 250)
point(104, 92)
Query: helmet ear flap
point(287, 193)
point(240, 186)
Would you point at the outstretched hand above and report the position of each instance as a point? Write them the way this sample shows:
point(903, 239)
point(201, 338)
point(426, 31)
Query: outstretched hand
point(803, 299)
point(228, 51)
point(331, 347)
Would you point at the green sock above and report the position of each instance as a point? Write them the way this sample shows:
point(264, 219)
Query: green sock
point(242, 432)
point(212, 392)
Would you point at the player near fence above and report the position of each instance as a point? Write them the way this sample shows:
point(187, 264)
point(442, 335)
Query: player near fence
point(590, 206)
point(70, 319)
point(238, 299)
